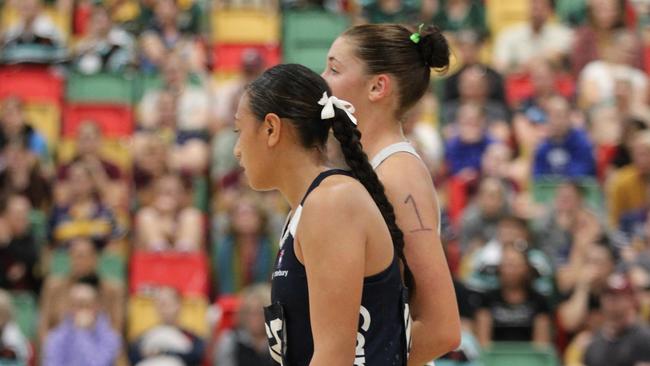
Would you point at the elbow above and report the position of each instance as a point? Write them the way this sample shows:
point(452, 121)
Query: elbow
point(446, 341)
point(452, 340)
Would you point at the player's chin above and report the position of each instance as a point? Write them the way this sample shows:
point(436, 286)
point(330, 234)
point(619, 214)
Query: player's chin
point(254, 181)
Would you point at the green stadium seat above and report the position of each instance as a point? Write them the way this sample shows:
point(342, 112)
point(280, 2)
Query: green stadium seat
point(11, 363)
point(25, 312)
point(308, 35)
point(201, 193)
point(100, 88)
point(38, 227)
point(519, 354)
point(543, 190)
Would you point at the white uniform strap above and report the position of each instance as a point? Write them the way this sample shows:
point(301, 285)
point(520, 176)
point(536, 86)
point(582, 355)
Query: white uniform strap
point(389, 150)
point(292, 225)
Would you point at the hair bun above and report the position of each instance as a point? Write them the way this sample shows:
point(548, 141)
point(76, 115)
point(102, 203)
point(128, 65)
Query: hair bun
point(434, 48)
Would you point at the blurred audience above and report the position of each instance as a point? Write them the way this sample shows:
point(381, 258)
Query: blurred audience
point(464, 150)
point(105, 47)
point(540, 37)
point(21, 173)
point(169, 222)
point(247, 344)
point(567, 150)
point(85, 336)
point(34, 27)
point(85, 215)
point(454, 16)
point(621, 340)
point(481, 217)
point(14, 347)
point(14, 129)
point(390, 11)
point(18, 248)
point(245, 253)
point(167, 343)
point(626, 188)
point(514, 311)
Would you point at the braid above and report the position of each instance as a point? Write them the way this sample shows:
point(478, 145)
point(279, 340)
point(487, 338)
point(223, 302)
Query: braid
point(350, 139)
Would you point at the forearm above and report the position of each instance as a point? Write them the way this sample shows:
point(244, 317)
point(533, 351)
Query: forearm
point(422, 349)
point(574, 311)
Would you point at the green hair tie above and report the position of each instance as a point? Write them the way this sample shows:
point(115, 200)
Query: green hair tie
point(415, 37)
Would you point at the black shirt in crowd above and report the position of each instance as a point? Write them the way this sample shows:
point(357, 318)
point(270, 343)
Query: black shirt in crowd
point(514, 322)
point(628, 349)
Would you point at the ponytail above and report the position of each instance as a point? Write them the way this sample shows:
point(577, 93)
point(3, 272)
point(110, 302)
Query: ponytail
point(350, 138)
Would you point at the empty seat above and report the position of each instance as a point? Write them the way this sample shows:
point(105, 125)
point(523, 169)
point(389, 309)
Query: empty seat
point(227, 57)
point(308, 35)
point(543, 189)
point(245, 27)
point(31, 83)
point(102, 88)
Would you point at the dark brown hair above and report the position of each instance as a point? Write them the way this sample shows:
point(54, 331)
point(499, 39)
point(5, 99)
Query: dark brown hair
point(388, 49)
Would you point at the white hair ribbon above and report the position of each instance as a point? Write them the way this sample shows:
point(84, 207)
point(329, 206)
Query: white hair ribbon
point(329, 103)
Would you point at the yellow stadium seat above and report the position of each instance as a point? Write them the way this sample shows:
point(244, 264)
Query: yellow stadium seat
point(142, 316)
point(46, 119)
point(503, 13)
point(245, 27)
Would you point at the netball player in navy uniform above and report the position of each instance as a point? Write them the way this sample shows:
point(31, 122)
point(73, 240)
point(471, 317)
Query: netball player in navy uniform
point(337, 291)
point(383, 70)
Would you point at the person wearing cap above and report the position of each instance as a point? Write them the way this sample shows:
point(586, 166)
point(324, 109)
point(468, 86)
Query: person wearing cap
point(622, 340)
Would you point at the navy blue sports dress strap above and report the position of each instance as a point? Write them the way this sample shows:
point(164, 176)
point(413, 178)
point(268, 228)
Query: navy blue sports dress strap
point(384, 320)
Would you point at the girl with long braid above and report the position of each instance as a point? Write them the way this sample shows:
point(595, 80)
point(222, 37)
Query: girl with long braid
point(337, 291)
point(383, 70)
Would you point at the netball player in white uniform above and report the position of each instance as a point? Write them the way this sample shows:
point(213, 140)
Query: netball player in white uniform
point(383, 70)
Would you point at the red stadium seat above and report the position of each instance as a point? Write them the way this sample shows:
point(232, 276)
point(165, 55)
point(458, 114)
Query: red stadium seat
point(31, 83)
point(227, 57)
point(187, 272)
point(115, 120)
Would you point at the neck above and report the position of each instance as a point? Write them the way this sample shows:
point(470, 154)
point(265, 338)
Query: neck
point(378, 131)
point(302, 172)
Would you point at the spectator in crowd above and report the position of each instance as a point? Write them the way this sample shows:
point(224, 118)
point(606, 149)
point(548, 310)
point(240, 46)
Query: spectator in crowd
point(21, 173)
point(621, 340)
point(463, 152)
point(83, 264)
point(33, 28)
point(85, 215)
point(540, 37)
point(604, 18)
point(599, 79)
point(473, 88)
point(247, 343)
point(531, 111)
point(150, 162)
point(179, 112)
point(390, 11)
point(170, 222)
point(626, 188)
point(636, 256)
point(514, 311)
point(14, 347)
point(497, 163)
point(224, 165)
point(457, 15)
point(167, 343)
point(85, 336)
point(566, 151)
point(105, 47)
point(15, 129)
point(245, 254)
point(108, 177)
point(470, 44)
point(580, 309)
point(567, 220)
point(483, 264)
point(164, 35)
point(18, 248)
point(424, 136)
point(480, 218)
point(632, 223)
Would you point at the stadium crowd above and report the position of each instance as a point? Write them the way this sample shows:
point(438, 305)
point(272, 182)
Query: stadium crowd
point(128, 234)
